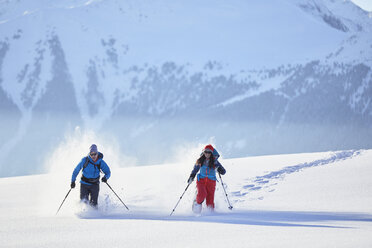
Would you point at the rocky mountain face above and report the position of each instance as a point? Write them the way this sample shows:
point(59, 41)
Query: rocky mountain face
point(155, 77)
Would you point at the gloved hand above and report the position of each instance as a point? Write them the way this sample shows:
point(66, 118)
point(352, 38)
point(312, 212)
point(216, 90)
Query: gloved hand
point(72, 185)
point(221, 170)
point(104, 179)
point(190, 180)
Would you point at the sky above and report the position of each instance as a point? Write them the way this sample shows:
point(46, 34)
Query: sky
point(364, 4)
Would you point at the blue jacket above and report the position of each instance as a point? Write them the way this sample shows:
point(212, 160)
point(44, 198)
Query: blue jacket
point(206, 171)
point(91, 171)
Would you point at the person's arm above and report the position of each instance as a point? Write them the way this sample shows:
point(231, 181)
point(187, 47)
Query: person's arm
point(77, 170)
point(216, 155)
point(106, 170)
point(193, 173)
point(220, 168)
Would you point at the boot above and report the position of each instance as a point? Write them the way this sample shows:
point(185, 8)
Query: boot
point(196, 208)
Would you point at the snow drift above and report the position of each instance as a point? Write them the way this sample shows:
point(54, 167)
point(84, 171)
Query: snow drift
point(297, 200)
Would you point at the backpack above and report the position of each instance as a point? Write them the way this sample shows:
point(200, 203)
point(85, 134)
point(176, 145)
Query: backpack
point(91, 180)
point(87, 161)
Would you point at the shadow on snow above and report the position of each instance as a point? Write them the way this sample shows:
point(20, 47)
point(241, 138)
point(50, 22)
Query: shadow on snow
point(243, 217)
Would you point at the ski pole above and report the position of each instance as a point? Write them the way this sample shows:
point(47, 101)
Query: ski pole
point(180, 198)
point(63, 201)
point(223, 186)
point(117, 195)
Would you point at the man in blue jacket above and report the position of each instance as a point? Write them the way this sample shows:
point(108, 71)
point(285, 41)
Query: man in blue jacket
point(89, 183)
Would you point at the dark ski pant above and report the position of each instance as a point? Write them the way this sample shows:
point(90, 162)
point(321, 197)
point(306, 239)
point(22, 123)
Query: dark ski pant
point(89, 193)
point(206, 188)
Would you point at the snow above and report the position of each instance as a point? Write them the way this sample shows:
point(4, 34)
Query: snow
point(265, 84)
point(237, 34)
point(102, 42)
point(294, 200)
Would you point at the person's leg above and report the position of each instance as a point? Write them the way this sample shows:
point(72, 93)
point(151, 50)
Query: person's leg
point(94, 192)
point(202, 191)
point(210, 188)
point(89, 193)
point(84, 192)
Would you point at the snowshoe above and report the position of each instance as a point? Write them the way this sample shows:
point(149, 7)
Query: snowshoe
point(196, 208)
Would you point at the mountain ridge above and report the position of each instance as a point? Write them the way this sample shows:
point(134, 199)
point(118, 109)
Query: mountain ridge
point(258, 79)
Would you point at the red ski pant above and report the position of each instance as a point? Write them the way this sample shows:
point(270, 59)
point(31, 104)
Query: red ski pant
point(206, 188)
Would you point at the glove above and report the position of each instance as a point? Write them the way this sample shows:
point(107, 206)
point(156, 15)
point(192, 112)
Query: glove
point(221, 170)
point(190, 180)
point(72, 185)
point(104, 179)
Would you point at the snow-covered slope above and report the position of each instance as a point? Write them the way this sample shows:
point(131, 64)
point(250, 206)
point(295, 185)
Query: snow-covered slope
point(297, 200)
point(274, 76)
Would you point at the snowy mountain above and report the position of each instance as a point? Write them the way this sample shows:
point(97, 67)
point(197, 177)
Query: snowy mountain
point(148, 78)
point(295, 200)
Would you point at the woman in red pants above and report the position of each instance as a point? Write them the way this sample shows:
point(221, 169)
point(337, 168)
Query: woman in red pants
point(206, 165)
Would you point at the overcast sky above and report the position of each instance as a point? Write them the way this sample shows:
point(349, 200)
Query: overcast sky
point(364, 4)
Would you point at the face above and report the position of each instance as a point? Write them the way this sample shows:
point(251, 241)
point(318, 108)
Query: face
point(93, 155)
point(207, 154)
